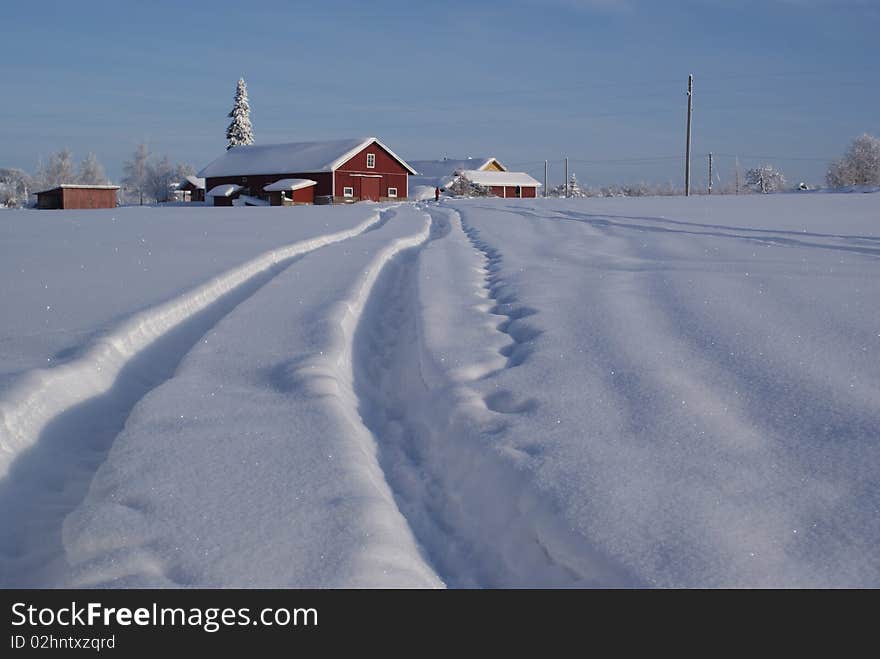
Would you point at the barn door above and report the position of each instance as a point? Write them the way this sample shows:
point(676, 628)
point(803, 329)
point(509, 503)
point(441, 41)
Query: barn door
point(370, 187)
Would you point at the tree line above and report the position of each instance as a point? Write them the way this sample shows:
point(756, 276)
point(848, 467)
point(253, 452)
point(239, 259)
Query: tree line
point(145, 178)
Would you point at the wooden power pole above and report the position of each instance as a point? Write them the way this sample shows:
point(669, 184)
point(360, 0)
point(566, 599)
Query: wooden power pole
point(566, 177)
point(545, 178)
point(710, 173)
point(687, 152)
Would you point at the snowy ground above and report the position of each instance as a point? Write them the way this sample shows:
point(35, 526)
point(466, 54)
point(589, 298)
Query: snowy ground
point(620, 392)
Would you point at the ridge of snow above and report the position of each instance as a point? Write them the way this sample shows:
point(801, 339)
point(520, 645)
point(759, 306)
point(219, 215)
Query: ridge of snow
point(42, 394)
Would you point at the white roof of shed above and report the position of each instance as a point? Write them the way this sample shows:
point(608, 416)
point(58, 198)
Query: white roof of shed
point(196, 181)
point(500, 178)
point(224, 190)
point(289, 184)
point(292, 157)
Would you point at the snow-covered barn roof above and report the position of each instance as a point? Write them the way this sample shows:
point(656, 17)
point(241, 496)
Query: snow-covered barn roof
point(197, 182)
point(448, 167)
point(289, 184)
point(291, 157)
point(225, 190)
point(500, 178)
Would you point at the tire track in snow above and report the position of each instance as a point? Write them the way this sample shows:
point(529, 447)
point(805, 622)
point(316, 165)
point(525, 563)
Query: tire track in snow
point(478, 517)
point(57, 424)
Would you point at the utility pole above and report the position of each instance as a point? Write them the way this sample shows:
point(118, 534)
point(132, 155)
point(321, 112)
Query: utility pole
point(737, 175)
point(710, 172)
point(545, 178)
point(566, 177)
point(687, 152)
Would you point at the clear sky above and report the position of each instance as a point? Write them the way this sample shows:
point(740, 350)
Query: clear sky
point(601, 81)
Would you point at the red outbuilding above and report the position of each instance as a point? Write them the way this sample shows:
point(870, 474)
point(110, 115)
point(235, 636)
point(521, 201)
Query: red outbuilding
point(78, 196)
point(308, 172)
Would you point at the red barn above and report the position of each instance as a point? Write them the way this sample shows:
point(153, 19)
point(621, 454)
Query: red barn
point(78, 196)
point(341, 170)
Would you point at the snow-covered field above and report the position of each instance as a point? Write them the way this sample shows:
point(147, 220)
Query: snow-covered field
point(601, 392)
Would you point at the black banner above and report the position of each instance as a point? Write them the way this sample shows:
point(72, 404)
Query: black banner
point(124, 622)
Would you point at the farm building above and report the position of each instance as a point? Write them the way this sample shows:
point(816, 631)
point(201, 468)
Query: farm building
point(504, 184)
point(488, 172)
point(192, 188)
point(68, 196)
point(306, 172)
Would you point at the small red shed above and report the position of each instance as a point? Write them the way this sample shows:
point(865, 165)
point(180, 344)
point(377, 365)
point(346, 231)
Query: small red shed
point(69, 196)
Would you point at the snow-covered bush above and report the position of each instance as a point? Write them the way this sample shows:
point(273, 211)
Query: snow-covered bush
point(765, 178)
point(860, 165)
point(463, 187)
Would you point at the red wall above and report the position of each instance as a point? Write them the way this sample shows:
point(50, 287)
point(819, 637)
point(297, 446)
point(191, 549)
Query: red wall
point(256, 182)
point(394, 175)
point(527, 192)
point(76, 198)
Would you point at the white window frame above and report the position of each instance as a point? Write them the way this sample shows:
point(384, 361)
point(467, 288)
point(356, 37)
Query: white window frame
point(371, 161)
point(392, 192)
point(348, 192)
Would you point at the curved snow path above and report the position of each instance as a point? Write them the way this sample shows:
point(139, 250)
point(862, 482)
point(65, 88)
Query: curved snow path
point(250, 467)
point(56, 424)
point(440, 321)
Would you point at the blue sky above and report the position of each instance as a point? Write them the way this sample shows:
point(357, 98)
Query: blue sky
point(601, 81)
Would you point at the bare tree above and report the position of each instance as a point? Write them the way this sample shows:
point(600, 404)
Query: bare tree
point(15, 185)
point(91, 172)
point(135, 179)
point(765, 178)
point(860, 165)
point(57, 170)
point(159, 179)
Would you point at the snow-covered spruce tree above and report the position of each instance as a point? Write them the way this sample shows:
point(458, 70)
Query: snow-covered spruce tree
point(135, 170)
point(574, 188)
point(765, 178)
point(91, 172)
point(860, 164)
point(240, 131)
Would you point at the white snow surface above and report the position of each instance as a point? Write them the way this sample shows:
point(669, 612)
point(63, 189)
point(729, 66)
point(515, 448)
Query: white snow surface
point(476, 393)
point(289, 184)
point(224, 190)
point(499, 178)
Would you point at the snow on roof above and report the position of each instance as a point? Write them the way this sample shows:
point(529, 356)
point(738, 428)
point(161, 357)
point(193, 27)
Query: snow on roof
point(500, 178)
point(292, 157)
point(448, 166)
point(77, 185)
point(432, 181)
point(289, 184)
point(196, 181)
point(224, 190)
